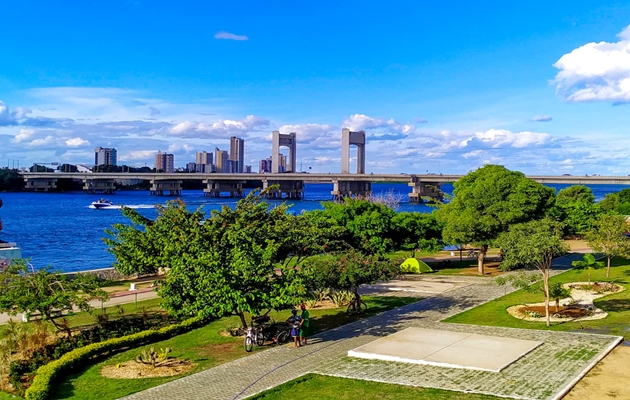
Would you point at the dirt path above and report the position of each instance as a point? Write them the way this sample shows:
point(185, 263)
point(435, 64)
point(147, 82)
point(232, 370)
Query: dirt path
point(608, 380)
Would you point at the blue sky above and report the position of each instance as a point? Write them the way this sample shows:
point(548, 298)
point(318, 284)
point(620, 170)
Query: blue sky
point(542, 88)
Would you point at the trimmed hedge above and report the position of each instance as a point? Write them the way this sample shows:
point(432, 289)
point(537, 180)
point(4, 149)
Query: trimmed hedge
point(46, 374)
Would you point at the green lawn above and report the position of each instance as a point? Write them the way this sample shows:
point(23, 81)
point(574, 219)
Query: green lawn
point(84, 318)
point(616, 305)
point(7, 396)
point(318, 387)
point(207, 347)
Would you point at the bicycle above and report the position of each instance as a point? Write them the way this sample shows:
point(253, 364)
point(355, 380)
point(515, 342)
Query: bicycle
point(356, 306)
point(255, 334)
point(473, 254)
point(283, 335)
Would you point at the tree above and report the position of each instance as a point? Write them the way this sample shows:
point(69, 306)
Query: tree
point(414, 230)
point(588, 263)
point(365, 226)
point(532, 283)
point(486, 202)
point(46, 292)
point(534, 243)
point(348, 271)
point(617, 203)
point(608, 236)
point(575, 206)
point(235, 262)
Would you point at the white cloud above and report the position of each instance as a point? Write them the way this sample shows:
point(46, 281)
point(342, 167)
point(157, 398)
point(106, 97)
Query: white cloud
point(502, 138)
point(218, 129)
point(6, 117)
point(77, 142)
point(23, 135)
point(229, 36)
point(380, 127)
point(137, 155)
point(542, 118)
point(41, 142)
point(596, 71)
point(307, 133)
point(474, 153)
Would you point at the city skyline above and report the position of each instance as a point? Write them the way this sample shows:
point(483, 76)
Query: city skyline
point(436, 87)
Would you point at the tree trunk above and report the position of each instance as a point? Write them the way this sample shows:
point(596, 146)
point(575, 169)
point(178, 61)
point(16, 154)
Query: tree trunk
point(546, 287)
point(242, 317)
point(608, 267)
point(481, 258)
point(357, 297)
point(558, 304)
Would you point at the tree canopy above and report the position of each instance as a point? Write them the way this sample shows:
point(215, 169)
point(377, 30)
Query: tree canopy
point(534, 243)
point(234, 262)
point(486, 202)
point(417, 231)
point(608, 236)
point(575, 207)
point(46, 292)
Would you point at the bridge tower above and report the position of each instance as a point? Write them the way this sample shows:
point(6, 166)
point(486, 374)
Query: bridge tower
point(283, 140)
point(349, 138)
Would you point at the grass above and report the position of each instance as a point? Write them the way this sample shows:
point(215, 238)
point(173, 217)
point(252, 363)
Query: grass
point(318, 387)
point(617, 306)
point(83, 318)
point(207, 346)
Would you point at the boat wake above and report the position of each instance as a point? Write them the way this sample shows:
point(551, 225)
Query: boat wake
point(119, 206)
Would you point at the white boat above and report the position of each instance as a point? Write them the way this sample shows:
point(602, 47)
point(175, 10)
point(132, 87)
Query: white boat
point(8, 252)
point(101, 203)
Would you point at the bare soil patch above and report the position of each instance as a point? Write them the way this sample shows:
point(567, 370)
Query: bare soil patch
point(564, 311)
point(134, 370)
point(608, 380)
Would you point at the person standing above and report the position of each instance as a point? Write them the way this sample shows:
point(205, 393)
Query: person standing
point(295, 321)
point(305, 323)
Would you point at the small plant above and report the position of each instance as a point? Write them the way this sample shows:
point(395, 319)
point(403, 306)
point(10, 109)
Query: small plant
point(153, 358)
point(321, 294)
point(310, 303)
point(341, 297)
point(533, 314)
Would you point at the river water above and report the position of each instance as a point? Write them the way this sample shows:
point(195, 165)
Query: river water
point(61, 230)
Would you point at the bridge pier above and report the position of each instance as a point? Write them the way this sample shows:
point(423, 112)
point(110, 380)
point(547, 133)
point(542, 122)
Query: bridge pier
point(285, 189)
point(40, 184)
point(421, 189)
point(160, 186)
point(214, 188)
point(356, 189)
point(98, 185)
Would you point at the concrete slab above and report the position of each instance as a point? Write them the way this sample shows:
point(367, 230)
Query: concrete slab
point(447, 349)
point(415, 286)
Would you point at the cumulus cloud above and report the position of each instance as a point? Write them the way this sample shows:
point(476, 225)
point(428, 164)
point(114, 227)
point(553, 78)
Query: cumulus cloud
point(137, 155)
point(381, 129)
point(596, 72)
point(308, 133)
point(41, 142)
point(6, 117)
point(218, 129)
point(23, 135)
point(542, 118)
point(77, 142)
point(229, 36)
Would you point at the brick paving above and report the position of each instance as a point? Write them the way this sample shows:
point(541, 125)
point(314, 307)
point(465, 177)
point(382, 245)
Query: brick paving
point(540, 374)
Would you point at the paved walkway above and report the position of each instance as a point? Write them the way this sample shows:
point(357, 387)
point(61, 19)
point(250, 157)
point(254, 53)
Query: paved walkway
point(541, 374)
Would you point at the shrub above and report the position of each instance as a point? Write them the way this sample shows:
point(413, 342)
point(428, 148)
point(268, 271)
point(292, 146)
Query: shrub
point(46, 374)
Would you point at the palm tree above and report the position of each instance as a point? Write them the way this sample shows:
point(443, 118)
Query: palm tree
point(589, 264)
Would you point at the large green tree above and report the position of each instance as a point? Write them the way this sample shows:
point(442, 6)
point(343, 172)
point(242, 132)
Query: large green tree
point(49, 293)
point(575, 207)
point(486, 202)
point(608, 236)
point(616, 203)
point(236, 261)
point(417, 231)
point(363, 225)
point(349, 270)
point(534, 243)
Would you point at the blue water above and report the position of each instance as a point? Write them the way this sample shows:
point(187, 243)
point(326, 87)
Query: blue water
point(59, 229)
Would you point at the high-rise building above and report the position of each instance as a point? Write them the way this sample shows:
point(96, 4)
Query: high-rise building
point(265, 166)
point(105, 156)
point(203, 158)
point(165, 162)
point(221, 160)
point(283, 163)
point(237, 153)
point(248, 169)
point(191, 167)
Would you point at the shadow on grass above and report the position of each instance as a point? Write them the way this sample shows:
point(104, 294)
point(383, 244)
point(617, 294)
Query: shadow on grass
point(616, 305)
